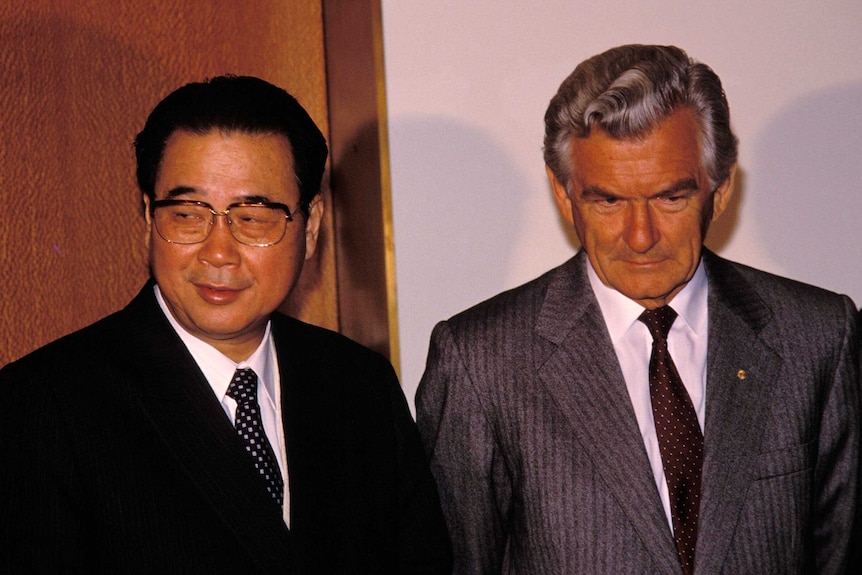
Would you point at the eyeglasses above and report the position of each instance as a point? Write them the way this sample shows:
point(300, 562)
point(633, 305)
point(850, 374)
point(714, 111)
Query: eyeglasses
point(187, 222)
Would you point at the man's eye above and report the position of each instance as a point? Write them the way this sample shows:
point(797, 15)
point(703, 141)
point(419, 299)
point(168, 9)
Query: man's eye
point(673, 203)
point(186, 216)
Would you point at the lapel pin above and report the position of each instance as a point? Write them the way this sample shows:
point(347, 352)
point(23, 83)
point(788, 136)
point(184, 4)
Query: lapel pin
point(741, 374)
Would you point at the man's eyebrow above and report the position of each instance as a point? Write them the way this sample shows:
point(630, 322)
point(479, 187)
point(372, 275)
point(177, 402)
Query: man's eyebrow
point(596, 192)
point(684, 185)
point(179, 191)
point(255, 199)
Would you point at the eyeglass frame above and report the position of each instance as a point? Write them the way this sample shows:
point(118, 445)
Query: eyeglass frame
point(288, 216)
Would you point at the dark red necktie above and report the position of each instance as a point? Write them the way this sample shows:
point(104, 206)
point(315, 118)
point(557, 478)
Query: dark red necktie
point(680, 440)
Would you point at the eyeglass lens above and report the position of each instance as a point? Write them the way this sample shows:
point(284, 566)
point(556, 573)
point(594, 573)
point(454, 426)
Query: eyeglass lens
point(191, 223)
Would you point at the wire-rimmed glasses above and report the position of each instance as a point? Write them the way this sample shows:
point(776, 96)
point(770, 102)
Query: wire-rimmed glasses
point(259, 224)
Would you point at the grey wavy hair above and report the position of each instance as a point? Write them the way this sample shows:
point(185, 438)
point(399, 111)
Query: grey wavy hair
point(626, 92)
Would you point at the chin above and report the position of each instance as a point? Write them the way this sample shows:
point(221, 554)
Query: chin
point(645, 294)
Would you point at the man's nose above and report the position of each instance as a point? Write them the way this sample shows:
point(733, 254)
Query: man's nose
point(220, 247)
point(641, 231)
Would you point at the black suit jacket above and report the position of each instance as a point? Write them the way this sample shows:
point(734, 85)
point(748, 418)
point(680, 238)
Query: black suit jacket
point(115, 456)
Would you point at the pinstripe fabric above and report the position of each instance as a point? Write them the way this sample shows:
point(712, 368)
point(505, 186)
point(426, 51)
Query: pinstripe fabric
point(116, 457)
point(541, 468)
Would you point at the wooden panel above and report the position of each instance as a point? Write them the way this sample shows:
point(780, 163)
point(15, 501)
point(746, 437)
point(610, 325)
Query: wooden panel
point(360, 173)
point(78, 81)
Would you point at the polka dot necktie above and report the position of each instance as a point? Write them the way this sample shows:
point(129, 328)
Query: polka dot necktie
point(249, 428)
point(680, 440)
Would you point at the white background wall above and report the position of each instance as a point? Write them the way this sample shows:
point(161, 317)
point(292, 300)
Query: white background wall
point(468, 82)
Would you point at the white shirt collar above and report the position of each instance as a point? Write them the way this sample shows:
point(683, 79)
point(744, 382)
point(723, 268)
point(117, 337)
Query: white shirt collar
point(219, 368)
point(620, 312)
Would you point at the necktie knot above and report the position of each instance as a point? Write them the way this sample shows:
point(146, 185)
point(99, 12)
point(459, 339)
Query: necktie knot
point(243, 386)
point(658, 321)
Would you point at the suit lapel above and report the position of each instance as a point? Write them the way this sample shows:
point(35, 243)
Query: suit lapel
point(311, 415)
point(582, 373)
point(183, 411)
point(315, 418)
point(741, 369)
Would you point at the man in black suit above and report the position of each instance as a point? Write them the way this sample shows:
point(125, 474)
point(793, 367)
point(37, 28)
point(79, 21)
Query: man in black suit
point(569, 434)
point(198, 430)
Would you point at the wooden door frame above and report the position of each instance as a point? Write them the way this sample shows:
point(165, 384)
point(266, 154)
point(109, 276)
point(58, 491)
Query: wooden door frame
point(360, 181)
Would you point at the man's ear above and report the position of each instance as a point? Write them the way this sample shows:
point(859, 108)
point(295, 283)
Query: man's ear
point(149, 220)
point(722, 195)
point(312, 225)
point(561, 196)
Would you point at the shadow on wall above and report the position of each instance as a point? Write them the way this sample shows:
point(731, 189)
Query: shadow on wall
point(461, 191)
point(806, 180)
point(453, 208)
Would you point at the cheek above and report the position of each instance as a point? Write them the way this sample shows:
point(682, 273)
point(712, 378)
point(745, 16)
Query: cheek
point(594, 233)
point(277, 271)
point(166, 260)
point(581, 224)
point(685, 234)
point(158, 256)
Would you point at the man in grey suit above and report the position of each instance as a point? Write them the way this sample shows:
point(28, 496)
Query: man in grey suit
point(567, 436)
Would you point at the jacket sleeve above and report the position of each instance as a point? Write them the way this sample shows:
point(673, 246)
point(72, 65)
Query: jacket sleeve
point(458, 435)
point(837, 527)
point(424, 547)
point(44, 523)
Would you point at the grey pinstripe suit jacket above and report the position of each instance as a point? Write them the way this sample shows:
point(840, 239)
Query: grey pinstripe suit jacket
point(541, 467)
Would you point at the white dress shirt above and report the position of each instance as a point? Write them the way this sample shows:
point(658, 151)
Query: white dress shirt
point(218, 369)
point(687, 343)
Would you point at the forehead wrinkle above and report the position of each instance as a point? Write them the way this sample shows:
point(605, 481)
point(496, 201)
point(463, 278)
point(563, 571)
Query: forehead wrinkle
point(180, 191)
point(682, 185)
point(249, 198)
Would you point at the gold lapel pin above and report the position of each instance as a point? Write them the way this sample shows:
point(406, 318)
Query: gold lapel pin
point(741, 374)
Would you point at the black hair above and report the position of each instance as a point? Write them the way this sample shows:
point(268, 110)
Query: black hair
point(233, 103)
